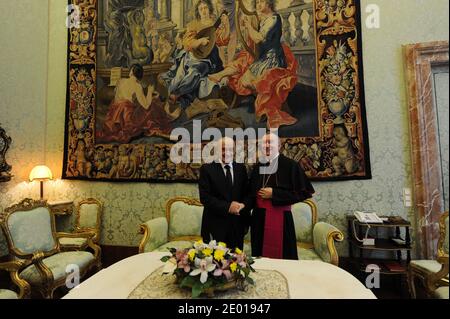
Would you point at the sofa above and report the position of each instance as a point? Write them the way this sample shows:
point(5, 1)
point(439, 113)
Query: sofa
point(181, 226)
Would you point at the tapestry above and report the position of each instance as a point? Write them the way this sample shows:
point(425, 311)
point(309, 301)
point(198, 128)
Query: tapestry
point(141, 73)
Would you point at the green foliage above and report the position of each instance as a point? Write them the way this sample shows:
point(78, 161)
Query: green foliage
point(250, 280)
point(165, 258)
point(188, 282)
point(197, 289)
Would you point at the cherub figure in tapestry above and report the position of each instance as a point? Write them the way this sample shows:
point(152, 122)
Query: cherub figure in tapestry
point(127, 40)
point(344, 160)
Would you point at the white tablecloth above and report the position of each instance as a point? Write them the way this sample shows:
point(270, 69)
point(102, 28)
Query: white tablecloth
point(306, 279)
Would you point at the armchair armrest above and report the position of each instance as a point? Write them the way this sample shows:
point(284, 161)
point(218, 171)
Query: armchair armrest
point(155, 234)
point(89, 235)
point(85, 234)
point(13, 267)
point(437, 280)
point(324, 236)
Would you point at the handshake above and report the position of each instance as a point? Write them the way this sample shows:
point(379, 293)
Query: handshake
point(235, 208)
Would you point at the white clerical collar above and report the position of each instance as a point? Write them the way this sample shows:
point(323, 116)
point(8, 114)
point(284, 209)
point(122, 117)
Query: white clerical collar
point(275, 158)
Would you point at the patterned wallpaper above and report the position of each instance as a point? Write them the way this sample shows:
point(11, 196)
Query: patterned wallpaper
point(23, 85)
point(127, 205)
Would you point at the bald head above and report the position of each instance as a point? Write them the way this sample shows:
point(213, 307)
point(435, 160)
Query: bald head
point(227, 149)
point(270, 145)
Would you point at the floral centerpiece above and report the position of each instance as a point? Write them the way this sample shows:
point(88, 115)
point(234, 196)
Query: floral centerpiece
point(206, 268)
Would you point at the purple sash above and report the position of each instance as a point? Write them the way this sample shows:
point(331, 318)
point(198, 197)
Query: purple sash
point(273, 228)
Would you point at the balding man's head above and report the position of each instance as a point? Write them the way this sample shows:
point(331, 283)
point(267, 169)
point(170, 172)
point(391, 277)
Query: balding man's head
point(227, 149)
point(270, 145)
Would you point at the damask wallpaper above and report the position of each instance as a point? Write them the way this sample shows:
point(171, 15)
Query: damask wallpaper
point(23, 87)
point(26, 108)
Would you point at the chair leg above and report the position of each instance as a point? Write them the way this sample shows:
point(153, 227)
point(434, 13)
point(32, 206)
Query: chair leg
point(99, 266)
point(47, 293)
point(411, 284)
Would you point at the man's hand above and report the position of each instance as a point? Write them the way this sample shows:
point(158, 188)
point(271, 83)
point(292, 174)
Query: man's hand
point(235, 208)
point(266, 193)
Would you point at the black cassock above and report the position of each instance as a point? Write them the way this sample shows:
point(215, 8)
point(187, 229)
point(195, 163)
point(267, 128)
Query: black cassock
point(290, 185)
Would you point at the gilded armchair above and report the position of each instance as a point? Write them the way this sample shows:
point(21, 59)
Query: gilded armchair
point(182, 225)
point(29, 229)
point(88, 219)
point(315, 240)
point(433, 273)
point(22, 289)
point(178, 229)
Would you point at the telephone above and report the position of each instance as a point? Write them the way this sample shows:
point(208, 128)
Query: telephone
point(368, 218)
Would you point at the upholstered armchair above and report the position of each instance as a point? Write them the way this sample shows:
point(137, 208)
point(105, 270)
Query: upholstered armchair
point(315, 240)
point(182, 226)
point(23, 288)
point(88, 219)
point(178, 229)
point(30, 232)
point(433, 273)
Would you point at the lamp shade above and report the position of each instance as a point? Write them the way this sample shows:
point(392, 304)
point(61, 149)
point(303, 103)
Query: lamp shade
point(40, 173)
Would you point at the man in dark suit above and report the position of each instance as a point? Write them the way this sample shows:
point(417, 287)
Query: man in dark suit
point(223, 187)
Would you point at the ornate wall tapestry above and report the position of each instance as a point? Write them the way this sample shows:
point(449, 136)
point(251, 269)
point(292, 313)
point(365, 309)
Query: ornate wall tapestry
point(137, 69)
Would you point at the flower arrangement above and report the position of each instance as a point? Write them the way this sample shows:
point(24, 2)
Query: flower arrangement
point(209, 267)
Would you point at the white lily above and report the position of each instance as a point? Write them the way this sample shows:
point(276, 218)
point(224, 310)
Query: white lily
point(212, 244)
point(170, 266)
point(200, 245)
point(203, 267)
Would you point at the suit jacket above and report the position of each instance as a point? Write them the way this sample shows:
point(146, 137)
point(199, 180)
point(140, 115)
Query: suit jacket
point(216, 199)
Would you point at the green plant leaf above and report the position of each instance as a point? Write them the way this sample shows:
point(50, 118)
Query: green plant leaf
point(165, 258)
point(197, 289)
point(209, 283)
point(188, 281)
point(250, 281)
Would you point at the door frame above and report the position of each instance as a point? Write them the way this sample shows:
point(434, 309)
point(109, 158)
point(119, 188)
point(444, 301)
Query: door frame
point(420, 59)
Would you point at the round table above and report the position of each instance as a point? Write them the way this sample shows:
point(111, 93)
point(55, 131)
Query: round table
point(306, 279)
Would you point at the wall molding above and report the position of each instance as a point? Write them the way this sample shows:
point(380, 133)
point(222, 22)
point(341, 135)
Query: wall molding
point(420, 59)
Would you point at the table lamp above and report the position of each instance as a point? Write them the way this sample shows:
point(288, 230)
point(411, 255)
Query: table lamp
point(41, 173)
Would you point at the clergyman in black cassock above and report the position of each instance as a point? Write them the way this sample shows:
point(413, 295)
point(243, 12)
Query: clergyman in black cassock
point(271, 195)
point(223, 187)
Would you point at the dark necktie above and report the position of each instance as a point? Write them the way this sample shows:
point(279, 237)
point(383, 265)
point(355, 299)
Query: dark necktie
point(229, 178)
